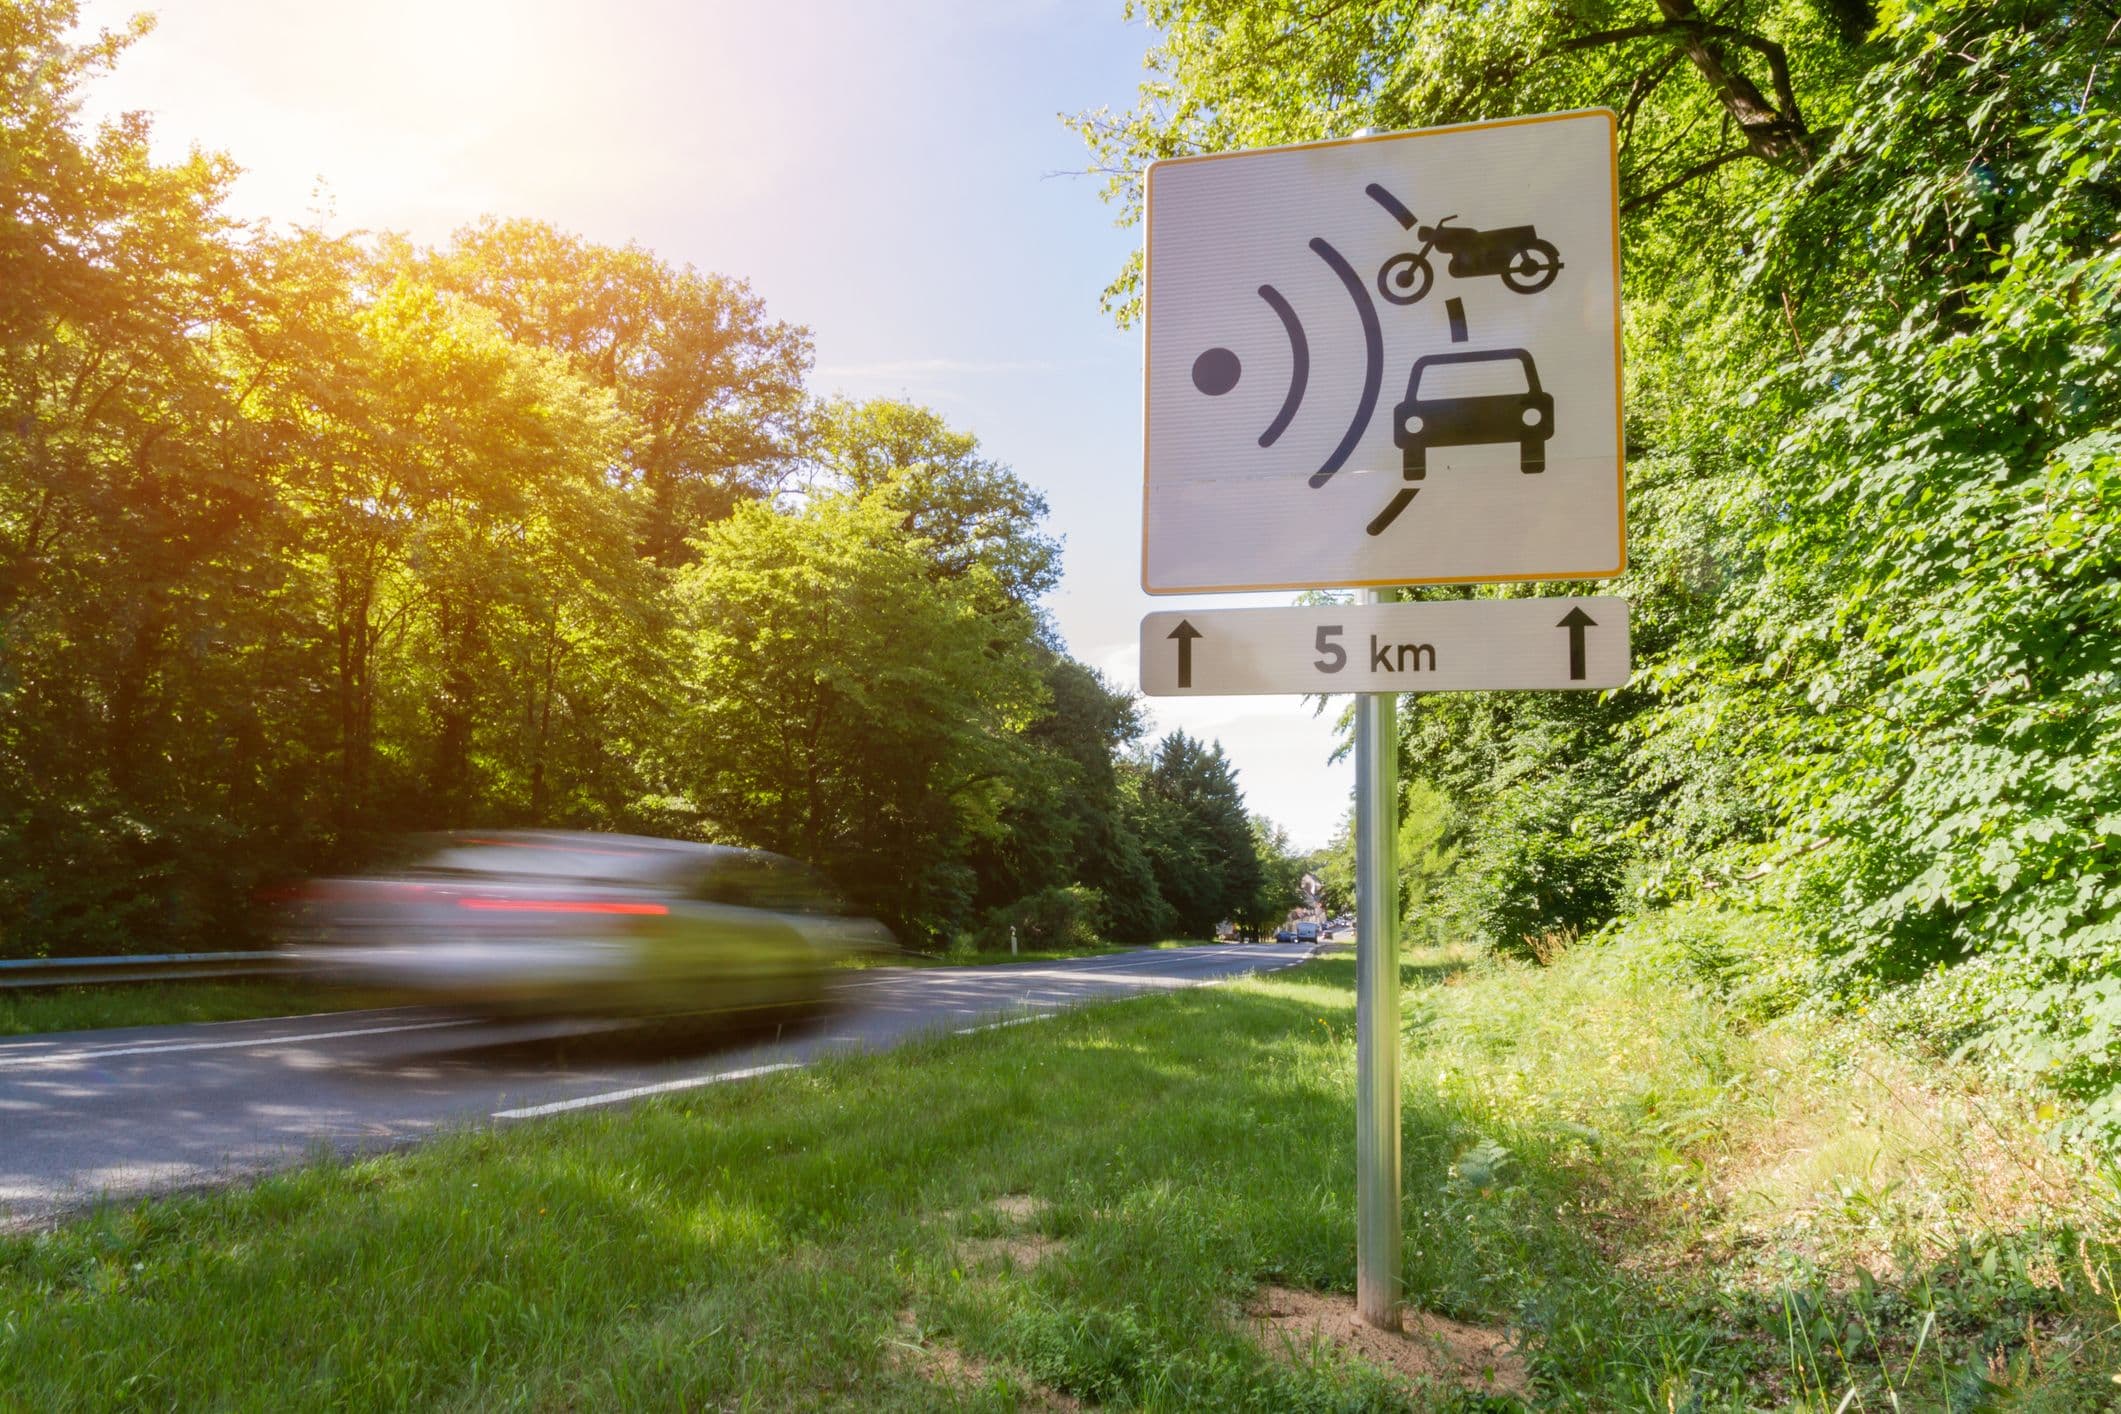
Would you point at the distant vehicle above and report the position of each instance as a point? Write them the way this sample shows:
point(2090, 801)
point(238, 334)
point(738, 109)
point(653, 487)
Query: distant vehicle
point(1285, 935)
point(1472, 398)
point(550, 922)
point(1306, 932)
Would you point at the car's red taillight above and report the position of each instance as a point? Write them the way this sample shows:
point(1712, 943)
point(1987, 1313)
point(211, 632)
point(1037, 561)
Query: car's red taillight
point(529, 905)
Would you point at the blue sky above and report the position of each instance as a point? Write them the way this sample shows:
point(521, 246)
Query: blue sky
point(891, 175)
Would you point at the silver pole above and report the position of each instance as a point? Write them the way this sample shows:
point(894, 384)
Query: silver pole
point(1377, 1003)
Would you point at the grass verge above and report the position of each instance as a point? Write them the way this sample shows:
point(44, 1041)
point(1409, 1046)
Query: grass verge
point(1663, 1208)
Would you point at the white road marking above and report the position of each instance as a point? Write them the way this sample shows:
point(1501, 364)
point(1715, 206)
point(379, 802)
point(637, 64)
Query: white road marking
point(998, 1025)
point(165, 1047)
point(613, 1097)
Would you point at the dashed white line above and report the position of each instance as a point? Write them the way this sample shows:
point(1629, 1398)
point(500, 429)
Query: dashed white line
point(613, 1097)
point(164, 1048)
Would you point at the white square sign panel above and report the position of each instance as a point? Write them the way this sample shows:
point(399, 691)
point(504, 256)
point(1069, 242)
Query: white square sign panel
point(1386, 360)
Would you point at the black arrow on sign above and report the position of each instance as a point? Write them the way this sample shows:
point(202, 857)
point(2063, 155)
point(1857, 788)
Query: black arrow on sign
point(1576, 622)
point(1185, 633)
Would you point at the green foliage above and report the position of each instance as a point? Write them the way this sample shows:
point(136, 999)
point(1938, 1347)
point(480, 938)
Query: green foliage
point(971, 513)
point(1539, 863)
point(1875, 444)
point(1941, 603)
point(306, 542)
point(1065, 919)
point(1521, 828)
point(1196, 834)
point(1280, 871)
point(807, 727)
point(711, 388)
point(1429, 853)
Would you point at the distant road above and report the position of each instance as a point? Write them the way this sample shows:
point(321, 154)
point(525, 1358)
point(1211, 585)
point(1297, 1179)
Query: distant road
point(89, 1115)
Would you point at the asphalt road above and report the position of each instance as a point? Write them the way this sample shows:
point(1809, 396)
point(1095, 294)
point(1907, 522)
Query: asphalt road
point(89, 1116)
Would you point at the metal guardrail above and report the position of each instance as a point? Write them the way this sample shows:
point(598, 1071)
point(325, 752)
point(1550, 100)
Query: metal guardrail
point(155, 967)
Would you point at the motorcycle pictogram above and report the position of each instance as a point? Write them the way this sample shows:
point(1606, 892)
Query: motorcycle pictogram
point(1525, 263)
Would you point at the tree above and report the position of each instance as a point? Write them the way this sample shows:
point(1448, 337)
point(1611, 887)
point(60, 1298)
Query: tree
point(969, 511)
point(1197, 835)
point(711, 389)
point(306, 541)
point(1280, 872)
point(1063, 823)
point(1428, 853)
point(845, 705)
point(135, 513)
point(1872, 280)
point(473, 544)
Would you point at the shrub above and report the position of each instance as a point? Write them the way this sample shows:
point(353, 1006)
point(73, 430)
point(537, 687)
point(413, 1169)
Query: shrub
point(1050, 920)
point(1541, 862)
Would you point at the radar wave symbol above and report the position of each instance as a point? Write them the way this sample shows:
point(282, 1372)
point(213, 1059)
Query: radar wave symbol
point(1215, 372)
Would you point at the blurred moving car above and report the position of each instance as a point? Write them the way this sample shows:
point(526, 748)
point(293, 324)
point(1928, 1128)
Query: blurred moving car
point(545, 921)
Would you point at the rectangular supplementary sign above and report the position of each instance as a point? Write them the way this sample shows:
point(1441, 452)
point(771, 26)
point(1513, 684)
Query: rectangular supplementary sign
point(1385, 360)
point(1459, 645)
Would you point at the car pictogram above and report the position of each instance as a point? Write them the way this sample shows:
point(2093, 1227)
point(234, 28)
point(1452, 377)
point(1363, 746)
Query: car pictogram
point(1524, 414)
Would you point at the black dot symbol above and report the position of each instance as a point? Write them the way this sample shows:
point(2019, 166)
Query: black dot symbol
point(1215, 372)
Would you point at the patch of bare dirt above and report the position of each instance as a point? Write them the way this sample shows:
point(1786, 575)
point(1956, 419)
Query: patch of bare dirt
point(951, 1368)
point(1432, 1349)
point(1021, 1249)
point(1019, 1207)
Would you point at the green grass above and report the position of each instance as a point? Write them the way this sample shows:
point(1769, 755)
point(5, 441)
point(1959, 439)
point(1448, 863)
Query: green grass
point(28, 1013)
point(1669, 1210)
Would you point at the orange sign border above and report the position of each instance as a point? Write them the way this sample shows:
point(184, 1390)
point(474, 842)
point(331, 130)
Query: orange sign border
point(1620, 450)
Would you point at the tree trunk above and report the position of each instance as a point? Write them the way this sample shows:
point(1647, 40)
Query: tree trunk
point(452, 769)
point(1776, 135)
point(543, 731)
point(356, 714)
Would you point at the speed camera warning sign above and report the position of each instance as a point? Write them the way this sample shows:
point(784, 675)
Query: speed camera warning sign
point(1386, 360)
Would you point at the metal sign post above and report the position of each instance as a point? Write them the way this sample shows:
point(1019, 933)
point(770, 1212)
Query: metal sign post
point(1377, 1003)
